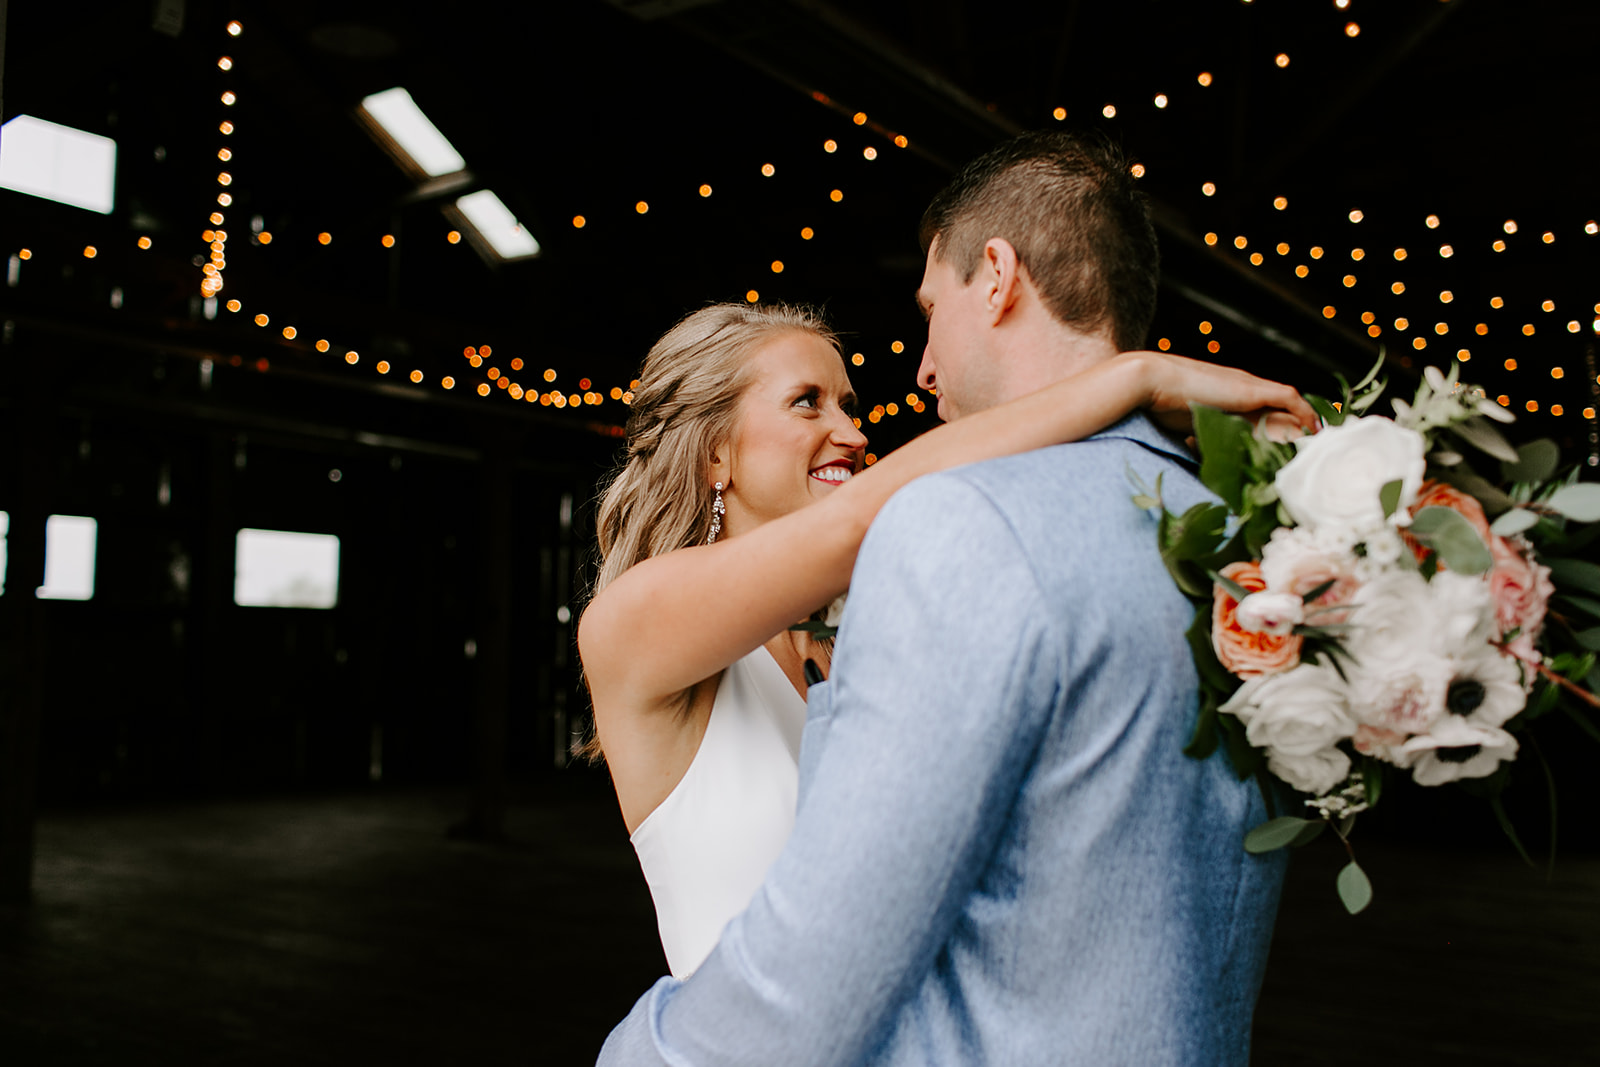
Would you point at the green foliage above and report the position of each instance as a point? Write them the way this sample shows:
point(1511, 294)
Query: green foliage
point(1579, 502)
point(1578, 574)
point(1535, 463)
point(1276, 833)
point(1581, 603)
point(1481, 434)
point(1325, 410)
point(1589, 638)
point(1389, 496)
point(1446, 532)
point(1224, 449)
point(1514, 522)
point(1355, 890)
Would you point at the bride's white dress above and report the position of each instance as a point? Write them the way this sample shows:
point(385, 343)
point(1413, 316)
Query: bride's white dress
point(707, 847)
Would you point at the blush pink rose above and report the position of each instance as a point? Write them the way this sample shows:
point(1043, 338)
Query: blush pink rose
point(1247, 654)
point(1521, 591)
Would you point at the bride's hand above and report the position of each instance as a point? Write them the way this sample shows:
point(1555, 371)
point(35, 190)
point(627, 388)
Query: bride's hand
point(1172, 383)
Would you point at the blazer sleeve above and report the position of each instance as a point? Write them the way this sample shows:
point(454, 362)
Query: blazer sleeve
point(944, 679)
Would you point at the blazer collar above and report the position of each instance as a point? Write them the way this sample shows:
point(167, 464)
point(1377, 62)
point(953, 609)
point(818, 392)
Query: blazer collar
point(1139, 429)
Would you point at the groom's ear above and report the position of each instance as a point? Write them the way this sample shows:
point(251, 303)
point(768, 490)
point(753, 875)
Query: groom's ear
point(1001, 272)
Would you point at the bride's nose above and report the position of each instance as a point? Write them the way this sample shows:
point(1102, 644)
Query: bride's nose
point(847, 435)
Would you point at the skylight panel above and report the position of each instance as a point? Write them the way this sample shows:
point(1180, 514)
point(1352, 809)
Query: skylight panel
point(497, 226)
point(59, 163)
point(409, 131)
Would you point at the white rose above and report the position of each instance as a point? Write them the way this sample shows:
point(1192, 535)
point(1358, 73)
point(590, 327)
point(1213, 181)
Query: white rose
point(1456, 748)
point(1272, 613)
point(1337, 474)
point(1295, 715)
point(1315, 773)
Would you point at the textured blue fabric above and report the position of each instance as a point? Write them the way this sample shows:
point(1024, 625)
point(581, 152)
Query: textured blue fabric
point(1001, 854)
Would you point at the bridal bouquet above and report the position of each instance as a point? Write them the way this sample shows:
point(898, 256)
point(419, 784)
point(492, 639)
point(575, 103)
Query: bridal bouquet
point(1369, 605)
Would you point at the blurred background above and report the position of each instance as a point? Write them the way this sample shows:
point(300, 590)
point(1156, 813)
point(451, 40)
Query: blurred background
point(320, 319)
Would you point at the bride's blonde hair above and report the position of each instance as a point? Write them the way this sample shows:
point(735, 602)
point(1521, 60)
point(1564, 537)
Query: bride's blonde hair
point(685, 406)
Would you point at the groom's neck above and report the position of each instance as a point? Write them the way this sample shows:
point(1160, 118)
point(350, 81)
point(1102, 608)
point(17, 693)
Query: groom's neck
point(1047, 355)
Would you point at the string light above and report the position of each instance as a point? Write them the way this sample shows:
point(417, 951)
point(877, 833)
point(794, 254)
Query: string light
point(1445, 251)
point(1301, 270)
point(225, 63)
point(1557, 373)
point(1511, 364)
point(830, 145)
point(1402, 323)
point(1211, 238)
point(289, 333)
point(1358, 254)
point(1349, 280)
point(859, 118)
point(1499, 246)
point(262, 320)
point(1240, 242)
point(1356, 215)
point(387, 240)
point(447, 382)
point(752, 296)
point(1464, 355)
point(1548, 237)
point(767, 170)
point(144, 242)
point(1432, 222)
point(806, 233)
point(1496, 302)
point(579, 222)
point(454, 237)
point(382, 367)
point(1205, 78)
point(1316, 251)
point(1399, 254)
point(416, 376)
point(1397, 288)
point(1280, 202)
point(1352, 29)
point(1527, 329)
point(869, 152)
point(1060, 113)
point(1548, 305)
point(235, 28)
point(896, 347)
point(1328, 312)
point(777, 266)
point(1109, 111)
point(1281, 59)
point(1255, 259)
point(857, 359)
point(324, 238)
point(265, 237)
point(1161, 100)
point(1137, 170)
point(1446, 296)
point(1209, 188)
point(641, 207)
point(1511, 226)
point(836, 196)
point(900, 141)
point(228, 98)
point(351, 358)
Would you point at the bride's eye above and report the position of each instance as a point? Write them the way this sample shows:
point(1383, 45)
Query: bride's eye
point(809, 400)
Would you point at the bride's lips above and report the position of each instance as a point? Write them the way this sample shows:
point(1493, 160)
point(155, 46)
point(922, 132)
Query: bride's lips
point(836, 473)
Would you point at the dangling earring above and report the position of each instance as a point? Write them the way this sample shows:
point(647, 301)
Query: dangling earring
point(718, 508)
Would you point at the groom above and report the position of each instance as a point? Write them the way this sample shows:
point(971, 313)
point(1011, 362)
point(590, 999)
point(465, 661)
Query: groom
point(1001, 854)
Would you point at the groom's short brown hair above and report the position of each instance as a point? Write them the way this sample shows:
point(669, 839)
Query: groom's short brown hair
point(1067, 203)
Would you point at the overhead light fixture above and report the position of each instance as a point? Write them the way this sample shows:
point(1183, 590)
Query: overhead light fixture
point(408, 135)
point(58, 163)
point(496, 226)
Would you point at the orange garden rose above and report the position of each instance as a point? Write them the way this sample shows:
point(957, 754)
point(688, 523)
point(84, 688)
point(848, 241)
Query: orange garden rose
point(1245, 653)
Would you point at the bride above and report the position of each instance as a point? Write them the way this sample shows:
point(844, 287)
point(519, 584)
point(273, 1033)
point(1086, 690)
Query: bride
point(738, 510)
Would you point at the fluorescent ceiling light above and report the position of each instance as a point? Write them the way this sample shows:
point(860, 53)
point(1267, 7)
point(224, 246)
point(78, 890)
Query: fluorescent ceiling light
point(69, 542)
point(411, 133)
point(497, 226)
point(58, 163)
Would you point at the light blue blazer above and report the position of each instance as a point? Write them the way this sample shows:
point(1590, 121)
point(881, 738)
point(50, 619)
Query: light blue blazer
point(1001, 855)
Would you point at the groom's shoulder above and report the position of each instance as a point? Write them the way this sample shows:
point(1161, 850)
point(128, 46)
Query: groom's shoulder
point(1076, 494)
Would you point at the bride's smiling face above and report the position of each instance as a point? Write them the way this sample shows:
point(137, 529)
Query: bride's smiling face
point(795, 440)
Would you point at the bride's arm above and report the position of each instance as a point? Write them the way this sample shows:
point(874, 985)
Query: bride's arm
point(678, 618)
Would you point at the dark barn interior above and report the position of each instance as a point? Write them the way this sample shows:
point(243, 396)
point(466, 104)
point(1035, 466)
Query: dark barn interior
point(242, 832)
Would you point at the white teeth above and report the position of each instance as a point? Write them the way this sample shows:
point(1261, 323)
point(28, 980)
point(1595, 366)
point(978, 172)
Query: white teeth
point(831, 474)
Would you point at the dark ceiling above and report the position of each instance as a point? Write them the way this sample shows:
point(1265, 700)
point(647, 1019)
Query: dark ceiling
point(1472, 111)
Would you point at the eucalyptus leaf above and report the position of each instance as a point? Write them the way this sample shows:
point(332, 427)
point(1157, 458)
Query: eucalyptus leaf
point(818, 629)
point(1389, 496)
point(1481, 434)
point(1536, 462)
point(1576, 574)
point(1366, 400)
point(1513, 522)
point(1145, 503)
point(1355, 891)
point(1580, 502)
point(1492, 497)
point(1446, 532)
point(1589, 639)
point(1312, 831)
point(1446, 458)
point(1275, 834)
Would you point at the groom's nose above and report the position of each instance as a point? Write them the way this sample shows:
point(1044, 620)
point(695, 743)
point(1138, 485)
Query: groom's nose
point(926, 379)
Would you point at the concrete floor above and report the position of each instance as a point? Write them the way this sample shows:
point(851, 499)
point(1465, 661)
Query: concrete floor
point(347, 929)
